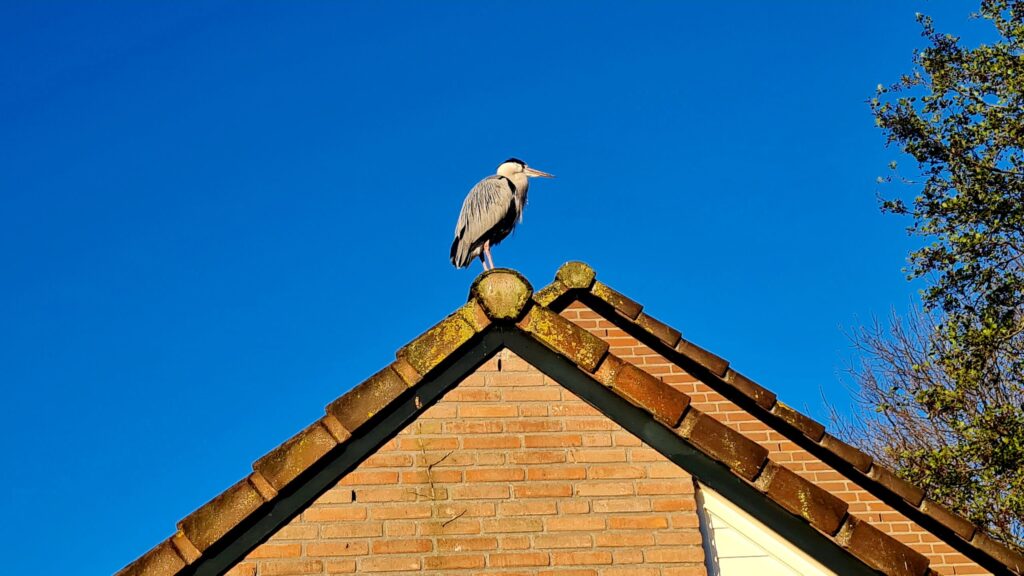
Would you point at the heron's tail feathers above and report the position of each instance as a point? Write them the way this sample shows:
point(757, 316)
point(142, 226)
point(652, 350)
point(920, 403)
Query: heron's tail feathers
point(460, 253)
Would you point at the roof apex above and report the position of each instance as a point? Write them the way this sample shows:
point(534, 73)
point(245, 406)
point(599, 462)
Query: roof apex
point(502, 293)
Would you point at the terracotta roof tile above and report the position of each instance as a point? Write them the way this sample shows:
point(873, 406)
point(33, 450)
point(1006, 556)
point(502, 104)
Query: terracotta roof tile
point(547, 295)
point(437, 343)
point(897, 485)
point(267, 492)
point(361, 403)
point(761, 396)
point(576, 275)
point(215, 518)
point(963, 528)
point(855, 457)
point(667, 334)
point(281, 465)
point(503, 293)
point(714, 364)
point(623, 305)
point(663, 401)
point(742, 455)
point(564, 337)
point(185, 548)
point(608, 370)
point(798, 495)
point(162, 560)
point(879, 550)
point(1013, 559)
point(808, 426)
point(474, 315)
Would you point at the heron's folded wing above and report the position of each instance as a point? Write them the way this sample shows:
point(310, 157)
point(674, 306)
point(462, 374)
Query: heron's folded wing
point(486, 205)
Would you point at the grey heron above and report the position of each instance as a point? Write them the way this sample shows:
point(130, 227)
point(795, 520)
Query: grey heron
point(490, 212)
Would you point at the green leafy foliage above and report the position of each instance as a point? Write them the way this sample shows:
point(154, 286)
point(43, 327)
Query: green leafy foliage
point(951, 379)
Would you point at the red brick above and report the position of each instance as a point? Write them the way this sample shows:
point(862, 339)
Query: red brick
point(466, 544)
point(269, 550)
point(402, 546)
point(605, 489)
point(495, 475)
point(356, 530)
point(291, 567)
point(451, 562)
point(385, 564)
point(529, 490)
point(337, 548)
point(487, 411)
point(623, 539)
point(474, 491)
point(511, 559)
point(674, 554)
point(615, 472)
point(529, 508)
point(552, 440)
point(561, 473)
point(573, 540)
point(573, 524)
point(581, 558)
point(369, 477)
point(490, 442)
point(498, 525)
point(528, 426)
point(637, 523)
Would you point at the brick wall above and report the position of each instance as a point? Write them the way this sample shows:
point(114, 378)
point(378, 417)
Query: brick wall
point(508, 474)
point(944, 559)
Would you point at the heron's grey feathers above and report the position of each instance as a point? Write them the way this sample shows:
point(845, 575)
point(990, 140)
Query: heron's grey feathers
point(488, 213)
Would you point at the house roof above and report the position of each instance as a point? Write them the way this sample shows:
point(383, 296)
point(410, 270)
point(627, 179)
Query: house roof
point(504, 311)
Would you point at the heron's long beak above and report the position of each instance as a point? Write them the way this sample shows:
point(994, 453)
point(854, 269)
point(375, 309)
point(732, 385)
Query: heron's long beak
point(533, 173)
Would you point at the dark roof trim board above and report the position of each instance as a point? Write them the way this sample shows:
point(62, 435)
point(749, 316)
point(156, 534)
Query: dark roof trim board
point(576, 281)
point(501, 313)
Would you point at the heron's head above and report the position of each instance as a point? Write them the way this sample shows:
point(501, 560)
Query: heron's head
point(515, 166)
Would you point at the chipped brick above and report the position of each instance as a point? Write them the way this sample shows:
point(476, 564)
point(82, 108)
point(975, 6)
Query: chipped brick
point(362, 402)
point(858, 459)
point(565, 338)
point(724, 444)
point(284, 463)
point(798, 495)
point(659, 329)
point(807, 426)
point(663, 401)
point(625, 306)
point(879, 550)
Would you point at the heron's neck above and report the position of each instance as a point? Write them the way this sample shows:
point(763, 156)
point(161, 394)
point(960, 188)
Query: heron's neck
point(522, 182)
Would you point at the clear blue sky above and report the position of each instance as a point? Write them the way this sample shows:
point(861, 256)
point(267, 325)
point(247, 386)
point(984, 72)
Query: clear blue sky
point(217, 217)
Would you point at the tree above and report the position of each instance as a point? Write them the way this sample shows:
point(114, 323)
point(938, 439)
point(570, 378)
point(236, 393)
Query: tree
point(945, 388)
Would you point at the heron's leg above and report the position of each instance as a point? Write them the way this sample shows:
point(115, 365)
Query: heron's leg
point(487, 251)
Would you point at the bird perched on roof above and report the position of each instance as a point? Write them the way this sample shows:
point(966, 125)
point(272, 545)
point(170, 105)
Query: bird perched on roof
point(490, 212)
